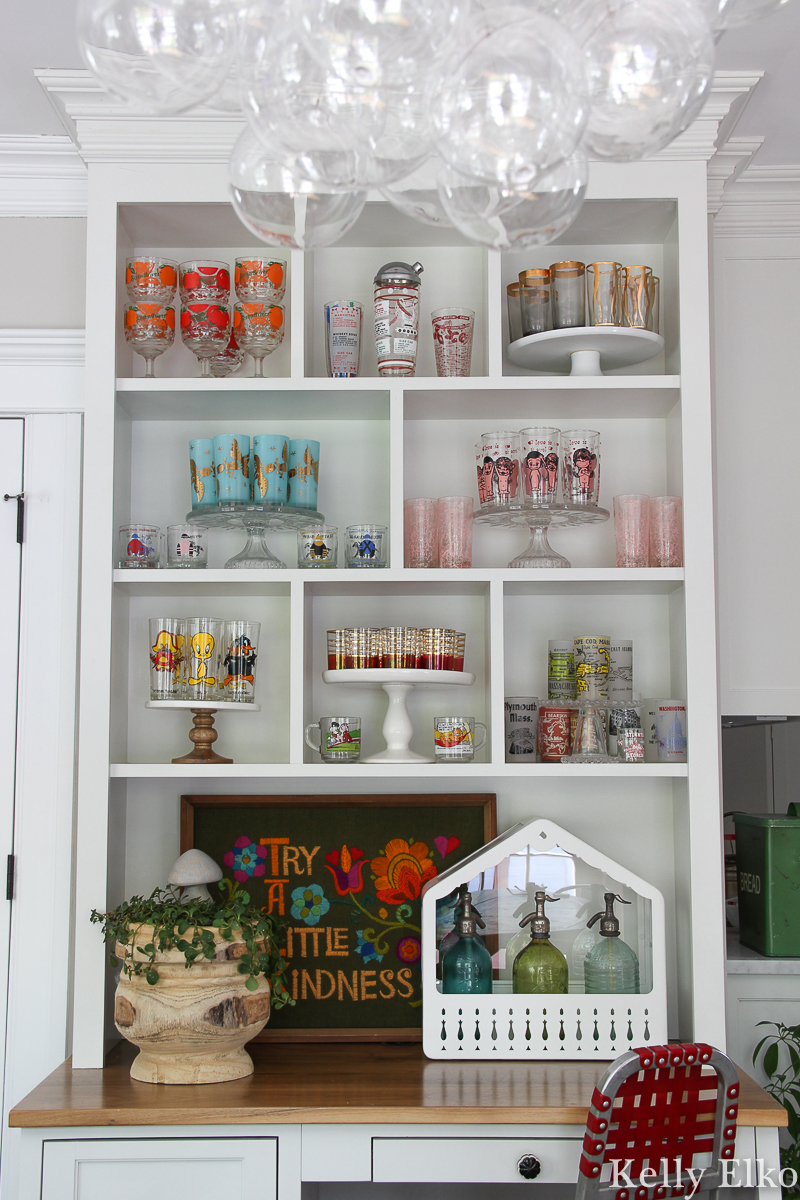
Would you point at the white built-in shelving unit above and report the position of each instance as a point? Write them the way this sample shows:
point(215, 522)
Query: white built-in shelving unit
point(383, 440)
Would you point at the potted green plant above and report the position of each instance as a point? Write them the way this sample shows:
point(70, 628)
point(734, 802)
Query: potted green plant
point(784, 1085)
point(198, 977)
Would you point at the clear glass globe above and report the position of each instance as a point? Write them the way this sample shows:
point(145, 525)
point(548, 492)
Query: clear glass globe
point(506, 220)
point(299, 107)
point(404, 142)
point(417, 195)
point(376, 43)
point(650, 63)
point(514, 104)
point(275, 202)
point(728, 14)
point(164, 55)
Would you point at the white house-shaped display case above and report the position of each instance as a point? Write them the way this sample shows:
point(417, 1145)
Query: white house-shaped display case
point(502, 878)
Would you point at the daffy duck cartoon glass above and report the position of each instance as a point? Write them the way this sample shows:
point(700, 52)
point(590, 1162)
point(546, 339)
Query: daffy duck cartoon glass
point(202, 649)
point(238, 673)
point(167, 636)
point(318, 547)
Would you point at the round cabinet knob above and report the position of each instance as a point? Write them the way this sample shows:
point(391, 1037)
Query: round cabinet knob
point(529, 1166)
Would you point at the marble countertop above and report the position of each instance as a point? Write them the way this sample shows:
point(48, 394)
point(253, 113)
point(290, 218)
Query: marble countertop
point(743, 961)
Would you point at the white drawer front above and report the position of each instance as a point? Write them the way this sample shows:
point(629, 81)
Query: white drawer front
point(161, 1169)
point(472, 1160)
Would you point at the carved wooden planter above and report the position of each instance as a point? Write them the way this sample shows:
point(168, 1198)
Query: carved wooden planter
point(191, 1026)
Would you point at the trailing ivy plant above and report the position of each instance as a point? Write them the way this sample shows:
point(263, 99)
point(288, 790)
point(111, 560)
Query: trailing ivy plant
point(189, 925)
point(784, 1085)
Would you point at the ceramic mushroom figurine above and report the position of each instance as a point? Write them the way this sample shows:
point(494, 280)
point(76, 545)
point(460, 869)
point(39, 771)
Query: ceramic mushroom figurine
point(191, 872)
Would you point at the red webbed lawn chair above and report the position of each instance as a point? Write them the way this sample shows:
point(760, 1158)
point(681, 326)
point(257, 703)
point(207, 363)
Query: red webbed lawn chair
point(676, 1103)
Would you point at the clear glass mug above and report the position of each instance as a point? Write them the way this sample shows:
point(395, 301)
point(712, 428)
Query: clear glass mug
point(187, 546)
point(454, 738)
point(339, 739)
point(139, 547)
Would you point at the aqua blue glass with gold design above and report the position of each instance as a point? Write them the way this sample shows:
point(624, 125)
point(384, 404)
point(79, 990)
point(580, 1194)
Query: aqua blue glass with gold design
point(201, 469)
point(269, 469)
point(232, 464)
point(303, 473)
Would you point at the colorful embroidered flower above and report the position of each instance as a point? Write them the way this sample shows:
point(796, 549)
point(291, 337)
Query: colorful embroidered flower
point(383, 913)
point(401, 871)
point(346, 866)
point(367, 949)
point(246, 858)
point(309, 904)
point(409, 949)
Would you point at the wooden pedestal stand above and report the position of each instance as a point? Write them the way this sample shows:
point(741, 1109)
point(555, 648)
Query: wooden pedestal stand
point(203, 734)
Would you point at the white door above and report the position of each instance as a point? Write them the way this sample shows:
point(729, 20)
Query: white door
point(11, 450)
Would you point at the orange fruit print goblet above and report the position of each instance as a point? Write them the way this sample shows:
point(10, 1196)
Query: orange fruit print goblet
point(260, 279)
point(204, 329)
point(259, 330)
point(151, 277)
point(149, 331)
point(204, 279)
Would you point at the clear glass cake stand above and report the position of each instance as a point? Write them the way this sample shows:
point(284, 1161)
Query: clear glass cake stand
point(256, 520)
point(539, 518)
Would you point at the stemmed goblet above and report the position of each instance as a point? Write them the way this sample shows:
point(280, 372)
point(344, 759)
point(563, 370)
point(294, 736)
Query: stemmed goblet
point(205, 330)
point(259, 329)
point(149, 331)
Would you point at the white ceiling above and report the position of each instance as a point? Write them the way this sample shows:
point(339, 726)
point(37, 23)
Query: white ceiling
point(41, 33)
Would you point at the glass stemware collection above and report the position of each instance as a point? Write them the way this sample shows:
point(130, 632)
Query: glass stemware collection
point(217, 334)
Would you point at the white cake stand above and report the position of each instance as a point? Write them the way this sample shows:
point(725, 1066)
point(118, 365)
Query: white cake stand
point(397, 682)
point(203, 734)
point(588, 350)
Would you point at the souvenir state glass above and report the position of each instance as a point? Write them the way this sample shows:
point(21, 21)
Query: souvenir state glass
point(540, 455)
point(204, 279)
point(568, 291)
point(149, 331)
point(366, 546)
point(303, 473)
point(339, 739)
point(318, 547)
point(205, 329)
point(453, 330)
point(534, 299)
point(637, 296)
point(343, 323)
point(632, 530)
point(454, 523)
point(581, 457)
point(139, 546)
point(666, 531)
point(497, 459)
point(187, 546)
point(671, 731)
point(259, 329)
point(604, 293)
point(592, 660)
point(232, 464)
point(454, 738)
point(270, 468)
point(201, 470)
point(151, 278)
point(420, 534)
point(259, 279)
point(521, 727)
point(238, 661)
point(202, 654)
point(166, 640)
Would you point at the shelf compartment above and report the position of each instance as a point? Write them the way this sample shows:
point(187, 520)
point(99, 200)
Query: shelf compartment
point(252, 399)
point(536, 397)
point(456, 604)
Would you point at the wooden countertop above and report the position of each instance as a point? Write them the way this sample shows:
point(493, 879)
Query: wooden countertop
point(337, 1083)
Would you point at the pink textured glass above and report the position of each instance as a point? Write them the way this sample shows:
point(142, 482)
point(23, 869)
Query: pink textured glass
point(666, 531)
point(454, 517)
point(632, 530)
point(420, 534)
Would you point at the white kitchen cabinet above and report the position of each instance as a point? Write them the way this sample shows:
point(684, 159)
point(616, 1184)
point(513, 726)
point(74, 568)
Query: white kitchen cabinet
point(160, 1168)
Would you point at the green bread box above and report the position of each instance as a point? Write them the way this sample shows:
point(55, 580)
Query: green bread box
point(768, 880)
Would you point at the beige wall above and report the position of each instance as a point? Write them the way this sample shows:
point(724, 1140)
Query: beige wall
point(43, 272)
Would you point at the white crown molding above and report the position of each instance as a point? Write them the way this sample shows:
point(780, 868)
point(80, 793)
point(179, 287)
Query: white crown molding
point(42, 177)
point(54, 347)
point(732, 158)
point(106, 130)
point(761, 202)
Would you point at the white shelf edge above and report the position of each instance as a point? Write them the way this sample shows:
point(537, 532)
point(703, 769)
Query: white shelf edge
point(319, 771)
point(416, 382)
point(622, 575)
